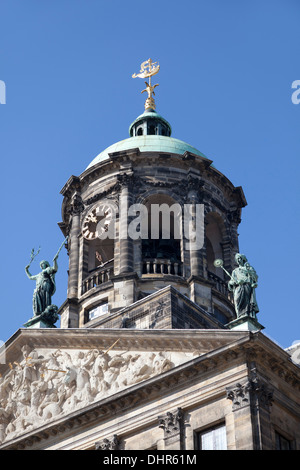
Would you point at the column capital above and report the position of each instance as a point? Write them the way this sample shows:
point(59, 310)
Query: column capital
point(76, 206)
point(171, 423)
point(253, 391)
point(112, 443)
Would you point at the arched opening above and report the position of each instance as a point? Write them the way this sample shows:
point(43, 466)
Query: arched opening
point(151, 130)
point(140, 131)
point(98, 266)
point(161, 251)
point(101, 252)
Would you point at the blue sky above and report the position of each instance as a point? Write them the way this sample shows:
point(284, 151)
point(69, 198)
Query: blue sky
point(225, 87)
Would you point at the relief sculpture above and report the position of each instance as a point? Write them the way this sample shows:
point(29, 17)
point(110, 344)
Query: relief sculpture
point(44, 386)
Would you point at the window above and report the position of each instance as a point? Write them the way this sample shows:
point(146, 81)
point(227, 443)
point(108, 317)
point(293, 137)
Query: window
point(212, 439)
point(281, 443)
point(97, 311)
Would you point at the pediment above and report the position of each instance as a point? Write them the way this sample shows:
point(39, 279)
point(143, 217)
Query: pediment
point(49, 374)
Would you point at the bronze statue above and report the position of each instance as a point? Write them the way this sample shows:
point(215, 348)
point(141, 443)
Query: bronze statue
point(45, 285)
point(243, 282)
point(45, 288)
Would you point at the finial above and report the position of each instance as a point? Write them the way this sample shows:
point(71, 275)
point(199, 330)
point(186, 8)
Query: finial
point(148, 69)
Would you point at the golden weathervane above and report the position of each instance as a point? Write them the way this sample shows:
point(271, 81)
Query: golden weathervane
point(148, 69)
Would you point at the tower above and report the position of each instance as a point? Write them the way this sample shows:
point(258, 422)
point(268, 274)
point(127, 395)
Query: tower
point(153, 350)
point(161, 189)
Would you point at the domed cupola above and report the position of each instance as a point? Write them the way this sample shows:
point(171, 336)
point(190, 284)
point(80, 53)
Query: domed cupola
point(150, 123)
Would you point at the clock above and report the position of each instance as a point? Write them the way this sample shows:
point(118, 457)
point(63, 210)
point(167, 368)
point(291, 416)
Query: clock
point(97, 221)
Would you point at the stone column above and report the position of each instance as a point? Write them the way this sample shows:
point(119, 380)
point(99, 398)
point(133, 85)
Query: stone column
point(195, 255)
point(194, 196)
point(172, 424)
point(261, 402)
point(69, 311)
point(76, 208)
point(126, 243)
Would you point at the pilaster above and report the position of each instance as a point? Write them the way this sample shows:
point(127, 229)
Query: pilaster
point(172, 424)
point(76, 209)
point(251, 403)
point(126, 243)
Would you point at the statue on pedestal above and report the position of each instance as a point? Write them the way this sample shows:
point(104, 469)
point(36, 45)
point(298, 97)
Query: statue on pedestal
point(45, 285)
point(43, 309)
point(243, 282)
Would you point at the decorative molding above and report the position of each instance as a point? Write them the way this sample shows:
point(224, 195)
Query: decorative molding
point(112, 443)
point(171, 423)
point(76, 206)
point(102, 195)
point(239, 395)
point(253, 392)
point(127, 180)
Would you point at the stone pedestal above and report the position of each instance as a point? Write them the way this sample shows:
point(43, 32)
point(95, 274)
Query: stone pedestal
point(45, 319)
point(245, 323)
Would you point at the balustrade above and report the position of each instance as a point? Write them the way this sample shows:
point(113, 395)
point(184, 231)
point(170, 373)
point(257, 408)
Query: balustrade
point(98, 277)
point(161, 266)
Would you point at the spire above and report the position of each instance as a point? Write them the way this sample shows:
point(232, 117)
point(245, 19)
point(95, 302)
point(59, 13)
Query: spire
point(148, 69)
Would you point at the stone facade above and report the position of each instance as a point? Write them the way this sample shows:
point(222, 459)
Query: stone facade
point(182, 383)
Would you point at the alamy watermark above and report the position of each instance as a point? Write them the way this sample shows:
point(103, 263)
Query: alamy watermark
point(138, 221)
point(2, 92)
point(296, 94)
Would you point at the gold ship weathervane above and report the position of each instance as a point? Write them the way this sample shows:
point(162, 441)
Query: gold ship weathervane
point(148, 69)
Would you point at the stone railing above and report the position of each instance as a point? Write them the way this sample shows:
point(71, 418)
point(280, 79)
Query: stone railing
point(161, 266)
point(98, 277)
point(220, 285)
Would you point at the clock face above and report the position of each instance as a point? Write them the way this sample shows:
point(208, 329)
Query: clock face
point(97, 221)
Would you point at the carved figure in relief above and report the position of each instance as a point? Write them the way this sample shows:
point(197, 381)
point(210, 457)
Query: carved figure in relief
point(52, 373)
point(111, 375)
point(98, 384)
point(45, 386)
point(5, 387)
point(140, 368)
point(4, 420)
point(161, 364)
point(52, 406)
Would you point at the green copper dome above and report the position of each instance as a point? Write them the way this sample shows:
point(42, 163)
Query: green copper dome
point(148, 143)
point(150, 132)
